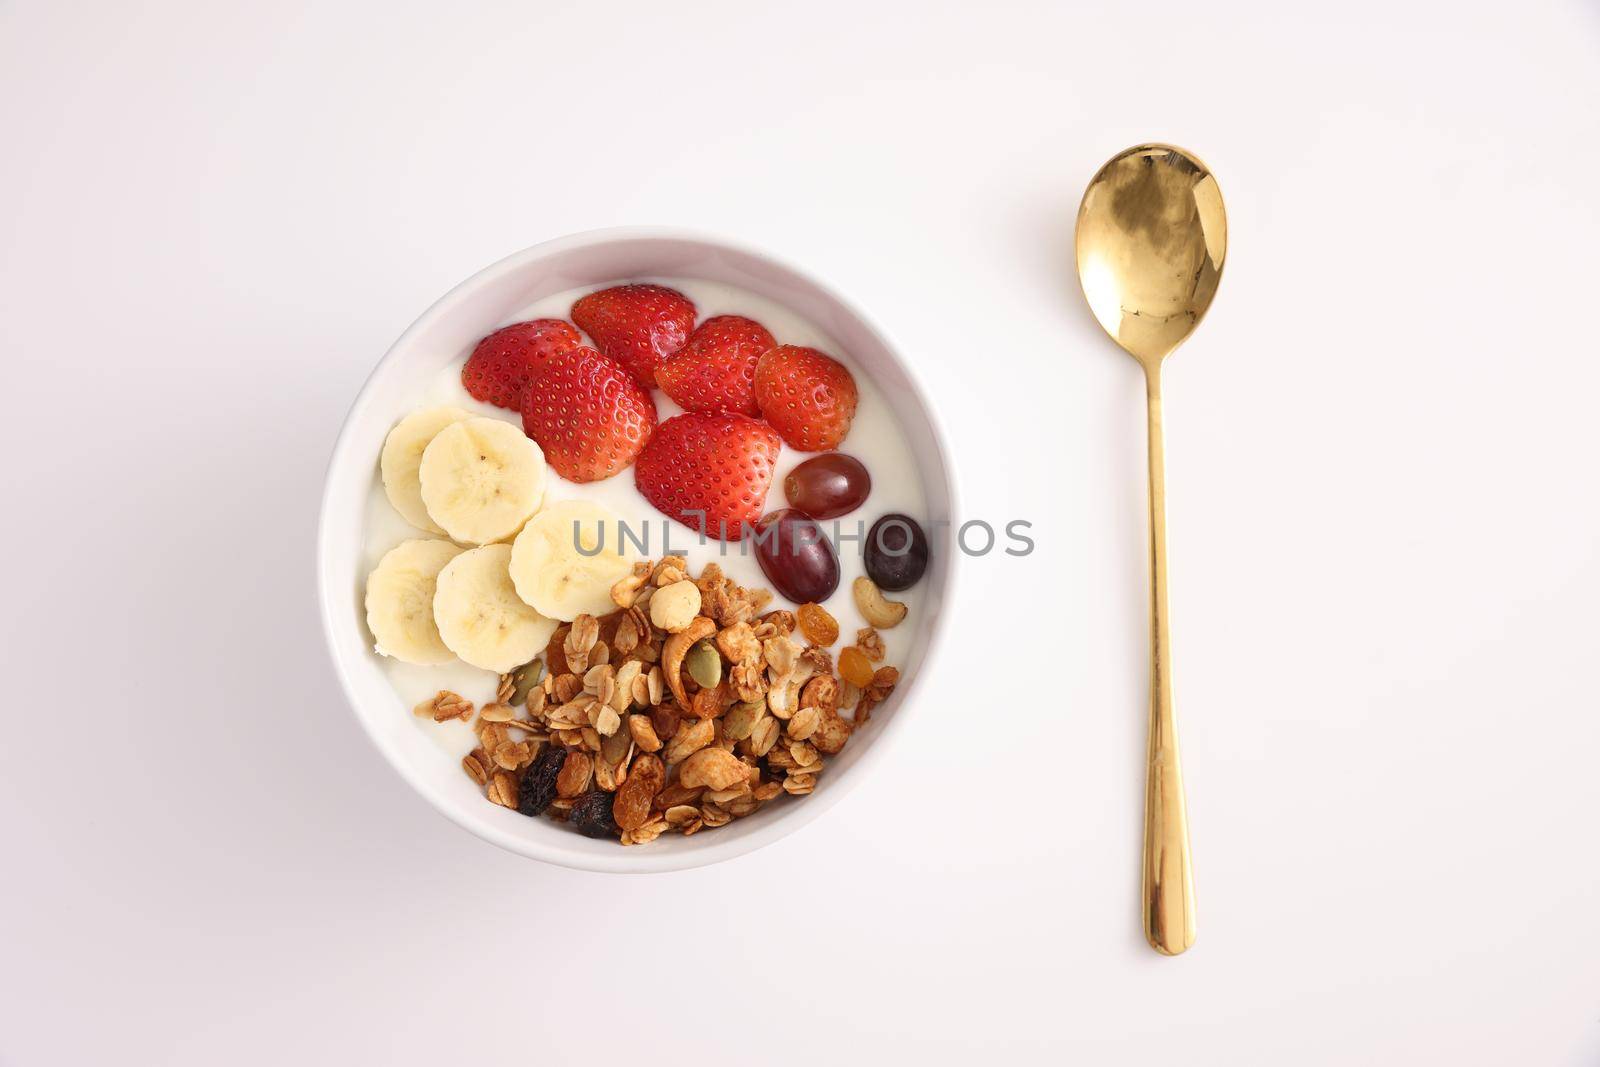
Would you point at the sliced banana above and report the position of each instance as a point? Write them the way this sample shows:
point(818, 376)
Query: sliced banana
point(554, 576)
point(481, 479)
point(402, 455)
point(481, 618)
point(400, 593)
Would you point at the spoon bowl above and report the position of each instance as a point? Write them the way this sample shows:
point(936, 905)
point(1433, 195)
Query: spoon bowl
point(1152, 237)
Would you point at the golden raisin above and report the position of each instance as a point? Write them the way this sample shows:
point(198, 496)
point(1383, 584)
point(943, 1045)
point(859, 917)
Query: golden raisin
point(706, 704)
point(555, 653)
point(855, 668)
point(817, 625)
point(646, 777)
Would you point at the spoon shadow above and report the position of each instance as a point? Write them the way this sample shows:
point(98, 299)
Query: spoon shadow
point(1041, 231)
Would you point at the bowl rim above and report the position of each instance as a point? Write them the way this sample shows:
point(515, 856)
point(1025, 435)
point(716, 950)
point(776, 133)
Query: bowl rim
point(637, 861)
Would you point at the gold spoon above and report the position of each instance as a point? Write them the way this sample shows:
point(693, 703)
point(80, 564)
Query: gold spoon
point(1152, 235)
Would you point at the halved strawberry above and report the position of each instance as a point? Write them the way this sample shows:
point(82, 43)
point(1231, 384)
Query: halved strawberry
point(716, 370)
point(588, 414)
point(808, 397)
point(639, 326)
point(709, 470)
point(499, 368)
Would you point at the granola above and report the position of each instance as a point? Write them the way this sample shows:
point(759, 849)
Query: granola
point(444, 706)
point(682, 710)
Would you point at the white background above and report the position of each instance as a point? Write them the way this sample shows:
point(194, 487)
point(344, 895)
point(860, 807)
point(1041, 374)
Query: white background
point(1384, 532)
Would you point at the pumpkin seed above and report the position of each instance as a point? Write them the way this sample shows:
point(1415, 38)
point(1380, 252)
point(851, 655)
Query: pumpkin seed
point(704, 664)
point(525, 678)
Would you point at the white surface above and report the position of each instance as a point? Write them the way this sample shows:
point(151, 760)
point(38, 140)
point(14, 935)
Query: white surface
point(1384, 532)
point(892, 433)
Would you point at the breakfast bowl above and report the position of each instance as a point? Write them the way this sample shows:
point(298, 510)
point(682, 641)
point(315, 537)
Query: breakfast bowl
point(896, 433)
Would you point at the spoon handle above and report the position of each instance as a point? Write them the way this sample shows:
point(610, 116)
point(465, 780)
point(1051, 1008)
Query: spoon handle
point(1168, 892)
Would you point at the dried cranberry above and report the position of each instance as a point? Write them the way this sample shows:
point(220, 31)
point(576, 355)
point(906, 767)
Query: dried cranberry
point(591, 815)
point(539, 781)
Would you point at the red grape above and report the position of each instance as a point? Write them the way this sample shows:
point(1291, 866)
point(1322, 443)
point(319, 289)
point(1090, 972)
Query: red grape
point(828, 485)
point(796, 556)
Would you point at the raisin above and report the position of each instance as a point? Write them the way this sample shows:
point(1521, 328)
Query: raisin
point(707, 704)
point(591, 815)
point(855, 668)
point(664, 719)
point(646, 778)
point(817, 625)
point(539, 782)
point(555, 653)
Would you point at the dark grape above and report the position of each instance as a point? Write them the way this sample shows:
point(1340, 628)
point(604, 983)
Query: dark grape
point(828, 485)
point(796, 556)
point(896, 552)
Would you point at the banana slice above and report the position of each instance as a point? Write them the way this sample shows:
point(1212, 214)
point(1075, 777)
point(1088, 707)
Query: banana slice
point(402, 455)
point(554, 576)
point(480, 616)
point(481, 479)
point(400, 594)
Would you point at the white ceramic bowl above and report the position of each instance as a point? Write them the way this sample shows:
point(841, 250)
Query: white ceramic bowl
point(445, 333)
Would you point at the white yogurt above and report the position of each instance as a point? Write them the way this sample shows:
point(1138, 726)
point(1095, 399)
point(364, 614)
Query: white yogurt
point(875, 438)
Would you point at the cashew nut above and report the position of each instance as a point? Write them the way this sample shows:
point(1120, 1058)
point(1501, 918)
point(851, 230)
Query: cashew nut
point(876, 608)
point(677, 645)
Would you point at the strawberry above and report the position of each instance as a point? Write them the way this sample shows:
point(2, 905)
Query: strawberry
point(587, 413)
point(808, 397)
point(709, 470)
point(716, 370)
point(499, 368)
point(639, 326)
